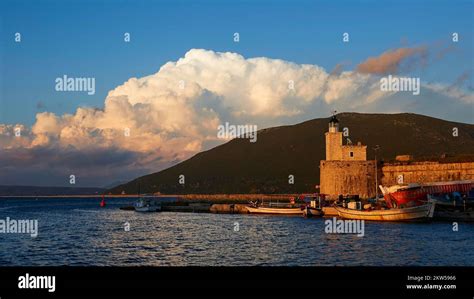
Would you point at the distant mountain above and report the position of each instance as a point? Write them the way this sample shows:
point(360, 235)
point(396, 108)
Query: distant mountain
point(111, 185)
point(239, 166)
point(47, 191)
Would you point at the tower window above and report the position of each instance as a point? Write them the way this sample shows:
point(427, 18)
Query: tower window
point(351, 154)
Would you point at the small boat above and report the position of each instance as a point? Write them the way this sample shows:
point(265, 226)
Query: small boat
point(276, 208)
point(147, 205)
point(451, 207)
point(275, 211)
point(451, 200)
point(312, 212)
point(423, 212)
point(314, 205)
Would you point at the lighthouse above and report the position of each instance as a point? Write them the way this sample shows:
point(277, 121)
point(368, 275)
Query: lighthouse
point(336, 150)
point(333, 140)
point(333, 124)
point(346, 169)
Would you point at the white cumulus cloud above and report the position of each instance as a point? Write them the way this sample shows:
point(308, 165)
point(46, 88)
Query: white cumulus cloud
point(175, 112)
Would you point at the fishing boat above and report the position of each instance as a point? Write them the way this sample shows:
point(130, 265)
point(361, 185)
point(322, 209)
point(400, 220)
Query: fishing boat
point(275, 211)
point(278, 208)
point(402, 196)
point(314, 205)
point(145, 204)
point(417, 213)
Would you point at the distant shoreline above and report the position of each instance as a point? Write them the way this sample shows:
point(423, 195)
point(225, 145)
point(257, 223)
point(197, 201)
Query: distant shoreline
point(184, 197)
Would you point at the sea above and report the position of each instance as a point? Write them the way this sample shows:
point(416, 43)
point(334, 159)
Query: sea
point(78, 232)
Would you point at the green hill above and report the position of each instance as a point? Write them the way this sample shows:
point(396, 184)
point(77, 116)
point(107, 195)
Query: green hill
point(240, 166)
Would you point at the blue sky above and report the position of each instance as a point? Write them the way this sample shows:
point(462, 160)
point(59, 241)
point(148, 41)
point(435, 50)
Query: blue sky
point(85, 38)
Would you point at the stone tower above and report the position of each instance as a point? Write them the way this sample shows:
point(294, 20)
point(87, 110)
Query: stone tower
point(333, 140)
point(346, 170)
point(336, 151)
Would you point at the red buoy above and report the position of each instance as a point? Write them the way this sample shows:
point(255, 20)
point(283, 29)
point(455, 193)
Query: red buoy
point(102, 203)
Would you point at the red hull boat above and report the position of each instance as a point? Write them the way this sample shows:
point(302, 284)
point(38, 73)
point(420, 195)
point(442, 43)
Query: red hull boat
point(400, 196)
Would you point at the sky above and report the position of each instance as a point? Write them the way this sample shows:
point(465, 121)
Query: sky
point(138, 84)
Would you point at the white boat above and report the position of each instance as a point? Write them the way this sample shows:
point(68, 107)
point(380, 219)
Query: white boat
point(276, 211)
point(423, 212)
point(147, 205)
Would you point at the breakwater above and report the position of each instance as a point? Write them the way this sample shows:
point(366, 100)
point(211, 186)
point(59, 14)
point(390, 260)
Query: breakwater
point(213, 203)
point(235, 198)
point(221, 203)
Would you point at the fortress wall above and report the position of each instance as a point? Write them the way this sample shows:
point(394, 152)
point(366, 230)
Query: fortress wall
point(422, 172)
point(347, 177)
point(357, 177)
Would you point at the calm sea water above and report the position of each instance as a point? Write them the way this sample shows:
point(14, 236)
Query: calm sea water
point(78, 232)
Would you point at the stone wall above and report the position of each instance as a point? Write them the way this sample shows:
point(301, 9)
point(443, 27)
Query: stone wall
point(422, 172)
point(358, 177)
point(347, 178)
